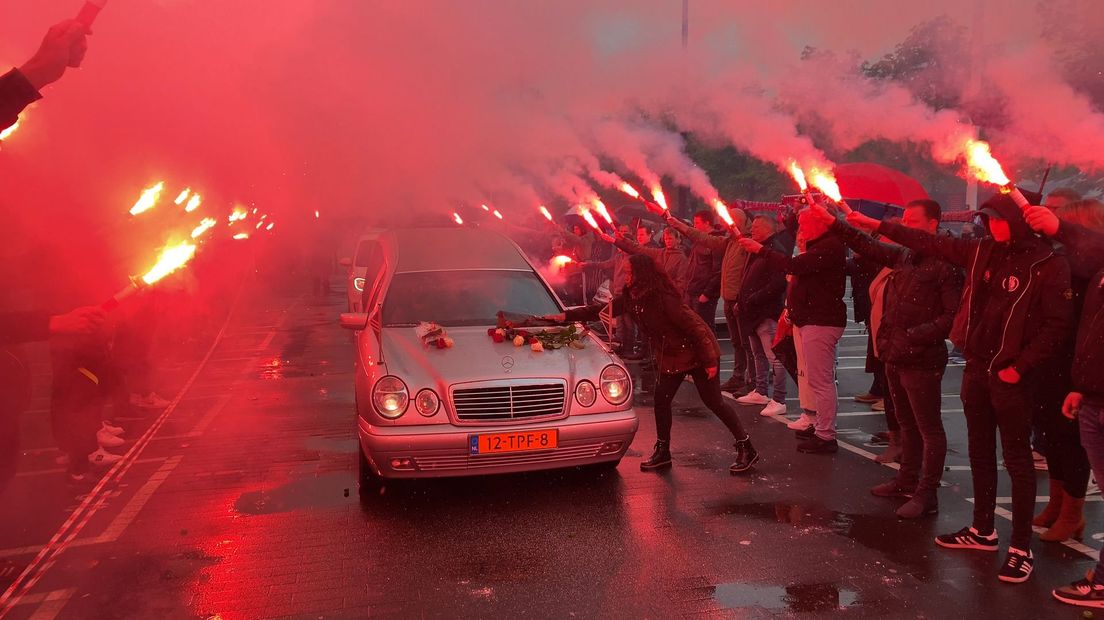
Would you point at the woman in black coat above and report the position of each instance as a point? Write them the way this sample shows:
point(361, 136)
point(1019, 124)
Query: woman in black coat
point(683, 345)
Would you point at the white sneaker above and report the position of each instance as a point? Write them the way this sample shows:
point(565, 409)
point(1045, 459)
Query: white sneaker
point(106, 439)
point(801, 423)
point(111, 428)
point(103, 458)
point(773, 408)
point(753, 398)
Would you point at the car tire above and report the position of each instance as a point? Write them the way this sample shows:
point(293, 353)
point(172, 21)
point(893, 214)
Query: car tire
point(368, 483)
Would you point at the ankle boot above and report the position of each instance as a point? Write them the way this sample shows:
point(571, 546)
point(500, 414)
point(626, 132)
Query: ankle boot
point(893, 452)
point(1070, 523)
point(660, 458)
point(746, 456)
point(1053, 508)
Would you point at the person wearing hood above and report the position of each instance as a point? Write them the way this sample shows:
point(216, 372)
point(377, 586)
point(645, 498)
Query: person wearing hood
point(683, 345)
point(1014, 317)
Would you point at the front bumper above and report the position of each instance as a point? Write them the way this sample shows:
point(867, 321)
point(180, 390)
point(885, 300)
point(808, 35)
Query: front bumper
point(442, 450)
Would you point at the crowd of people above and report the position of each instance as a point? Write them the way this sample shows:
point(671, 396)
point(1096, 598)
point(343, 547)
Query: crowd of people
point(1019, 296)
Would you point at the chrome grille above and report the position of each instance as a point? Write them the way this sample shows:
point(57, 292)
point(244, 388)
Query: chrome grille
point(509, 402)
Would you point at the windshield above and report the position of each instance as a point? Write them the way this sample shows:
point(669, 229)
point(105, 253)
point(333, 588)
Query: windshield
point(464, 298)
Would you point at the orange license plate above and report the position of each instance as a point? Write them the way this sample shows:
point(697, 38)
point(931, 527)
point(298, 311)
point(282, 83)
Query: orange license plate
point(525, 441)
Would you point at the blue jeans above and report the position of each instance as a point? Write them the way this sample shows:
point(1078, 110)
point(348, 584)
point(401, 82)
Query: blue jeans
point(766, 364)
point(1091, 418)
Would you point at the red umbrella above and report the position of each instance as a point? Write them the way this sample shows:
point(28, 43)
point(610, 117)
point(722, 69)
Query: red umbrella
point(875, 182)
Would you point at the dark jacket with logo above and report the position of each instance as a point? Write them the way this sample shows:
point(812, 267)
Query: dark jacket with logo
point(1086, 256)
point(919, 304)
point(703, 274)
point(679, 337)
point(763, 293)
point(1016, 305)
point(820, 279)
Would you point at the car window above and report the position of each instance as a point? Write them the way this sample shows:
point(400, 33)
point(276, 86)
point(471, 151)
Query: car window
point(366, 252)
point(464, 298)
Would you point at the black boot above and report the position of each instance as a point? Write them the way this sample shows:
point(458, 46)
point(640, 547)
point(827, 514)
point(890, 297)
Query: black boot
point(746, 456)
point(660, 459)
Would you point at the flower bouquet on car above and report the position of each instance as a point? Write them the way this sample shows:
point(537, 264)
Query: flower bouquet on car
point(511, 327)
point(433, 335)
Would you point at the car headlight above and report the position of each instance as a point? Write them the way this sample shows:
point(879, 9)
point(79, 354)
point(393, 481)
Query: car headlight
point(390, 397)
point(616, 386)
point(585, 393)
point(426, 402)
point(358, 284)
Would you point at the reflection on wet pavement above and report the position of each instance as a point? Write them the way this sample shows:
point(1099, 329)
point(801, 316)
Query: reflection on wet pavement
point(798, 598)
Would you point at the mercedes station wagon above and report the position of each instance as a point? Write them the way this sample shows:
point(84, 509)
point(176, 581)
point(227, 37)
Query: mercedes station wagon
point(462, 400)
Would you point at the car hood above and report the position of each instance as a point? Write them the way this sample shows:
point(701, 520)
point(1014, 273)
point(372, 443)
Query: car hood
point(477, 357)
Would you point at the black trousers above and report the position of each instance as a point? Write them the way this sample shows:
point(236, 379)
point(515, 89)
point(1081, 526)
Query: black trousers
point(1066, 458)
point(706, 310)
point(740, 352)
point(991, 405)
point(918, 411)
point(708, 389)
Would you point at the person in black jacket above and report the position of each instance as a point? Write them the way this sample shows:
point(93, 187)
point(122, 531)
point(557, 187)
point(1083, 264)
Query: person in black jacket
point(1013, 318)
point(816, 309)
point(919, 303)
point(703, 274)
point(1085, 402)
point(683, 345)
point(760, 302)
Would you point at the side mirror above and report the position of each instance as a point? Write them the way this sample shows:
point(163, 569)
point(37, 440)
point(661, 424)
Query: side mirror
point(345, 262)
point(355, 321)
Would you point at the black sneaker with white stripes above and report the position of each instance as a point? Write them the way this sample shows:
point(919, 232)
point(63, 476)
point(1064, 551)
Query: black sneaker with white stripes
point(968, 538)
point(1017, 566)
point(1083, 593)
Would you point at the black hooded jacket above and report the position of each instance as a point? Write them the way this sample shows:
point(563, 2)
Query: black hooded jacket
point(919, 305)
point(1016, 307)
point(815, 295)
point(1086, 256)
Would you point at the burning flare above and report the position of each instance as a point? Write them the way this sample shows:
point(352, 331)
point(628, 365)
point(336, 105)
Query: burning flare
point(7, 133)
point(657, 194)
point(799, 176)
point(171, 259)
point(238, 215)
point(241, 236)
point(545, 213)
point(629, 189)
point(589, 217)
point(207, 224)
point(182, 196)
point(148, 199)
point(270, 226)
point(600, 207)
point(193, 203)
point(317, 215)
point(722, 210)
point(561, 261)
point(486, 208)
point(982, 164)
point(497, 214)
point(826, 183)
point(456, 218)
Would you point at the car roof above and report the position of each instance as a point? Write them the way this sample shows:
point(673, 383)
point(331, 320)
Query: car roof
point(451, 249)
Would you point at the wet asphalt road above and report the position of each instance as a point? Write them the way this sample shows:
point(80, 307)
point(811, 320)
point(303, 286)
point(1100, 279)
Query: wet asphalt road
point(240, 502)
